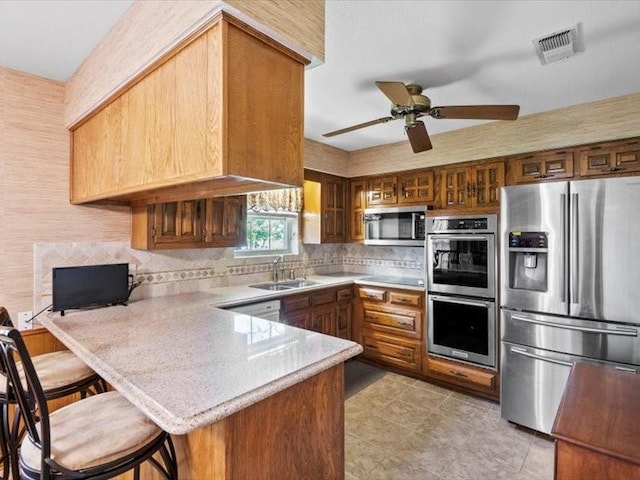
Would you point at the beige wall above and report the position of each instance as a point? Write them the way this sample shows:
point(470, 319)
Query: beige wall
point(150, 28)
point(609, 119)
point(34, 185)
point(324, 158)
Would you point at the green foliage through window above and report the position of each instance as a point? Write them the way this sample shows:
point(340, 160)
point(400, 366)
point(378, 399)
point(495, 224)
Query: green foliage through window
point(270, 233)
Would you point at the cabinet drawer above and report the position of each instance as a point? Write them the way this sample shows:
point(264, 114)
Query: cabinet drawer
point(409, 299)
point(344, 294)
point(463, 373)
point(405, 323)
point(321, 298)
point(296, 303)
point(393, 351)
point(374, 294)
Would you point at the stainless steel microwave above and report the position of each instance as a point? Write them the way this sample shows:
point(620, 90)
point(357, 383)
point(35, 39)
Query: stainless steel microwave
point(395, 226)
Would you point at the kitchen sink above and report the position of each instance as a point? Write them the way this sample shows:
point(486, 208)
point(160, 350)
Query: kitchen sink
point(272, 286)
point(298, 283)
point(284, 285)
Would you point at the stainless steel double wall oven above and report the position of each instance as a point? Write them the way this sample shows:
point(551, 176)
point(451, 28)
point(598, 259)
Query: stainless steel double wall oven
point(461, 255)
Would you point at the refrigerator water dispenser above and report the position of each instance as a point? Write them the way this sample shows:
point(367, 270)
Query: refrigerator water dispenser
point(528, 261)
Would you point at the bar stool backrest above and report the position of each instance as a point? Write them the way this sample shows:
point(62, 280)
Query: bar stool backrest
point(31, 400)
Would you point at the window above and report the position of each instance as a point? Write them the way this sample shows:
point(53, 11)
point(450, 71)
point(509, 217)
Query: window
point(270, 234)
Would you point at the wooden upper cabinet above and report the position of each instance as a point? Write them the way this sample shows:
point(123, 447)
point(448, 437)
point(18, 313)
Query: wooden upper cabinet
point(382, 191)
point(541, 167)
point(416, 187)
point(614, 157)
point(215, 222)
point(225, 221)
point(357, 204)
point(221, 115)
point(472, 186)
point(325, 208)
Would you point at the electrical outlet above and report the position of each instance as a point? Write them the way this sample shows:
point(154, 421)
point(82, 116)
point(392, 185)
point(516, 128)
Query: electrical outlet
point(23, 320)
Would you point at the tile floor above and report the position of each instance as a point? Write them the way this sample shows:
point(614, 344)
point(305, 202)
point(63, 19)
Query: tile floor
point(401, 428)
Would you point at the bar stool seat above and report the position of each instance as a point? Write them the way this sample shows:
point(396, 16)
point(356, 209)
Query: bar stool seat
point(93, 432)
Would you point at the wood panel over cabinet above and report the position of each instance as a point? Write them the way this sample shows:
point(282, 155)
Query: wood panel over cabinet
point(181, 131)
point(541, 166)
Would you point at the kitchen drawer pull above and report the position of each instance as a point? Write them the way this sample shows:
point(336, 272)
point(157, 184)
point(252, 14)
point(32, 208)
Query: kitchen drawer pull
point(626, 369)
point(402, 300)
point(613, 169)
point(401, 321)
point(372, 347)
point(455, 373)
point(524, 353)
point(625, 332)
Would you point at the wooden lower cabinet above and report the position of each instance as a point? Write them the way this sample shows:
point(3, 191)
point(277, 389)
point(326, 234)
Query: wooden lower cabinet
point(389, 326)
point(462, 374)
point(327, 311)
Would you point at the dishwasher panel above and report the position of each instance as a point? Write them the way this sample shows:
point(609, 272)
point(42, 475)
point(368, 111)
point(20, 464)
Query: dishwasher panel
point(269, 310)
point(533, 381)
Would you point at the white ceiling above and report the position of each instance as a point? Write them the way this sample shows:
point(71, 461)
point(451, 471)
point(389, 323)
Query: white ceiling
point(462, 52)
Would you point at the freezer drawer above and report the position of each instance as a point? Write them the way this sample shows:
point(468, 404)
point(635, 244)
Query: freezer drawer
point(584, 338)
point(533, 381)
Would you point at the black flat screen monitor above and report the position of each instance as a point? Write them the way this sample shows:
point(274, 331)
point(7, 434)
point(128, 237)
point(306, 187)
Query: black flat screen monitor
point(89, 286)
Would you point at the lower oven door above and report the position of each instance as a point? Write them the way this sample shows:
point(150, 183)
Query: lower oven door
point(532, 382)
point(463, 328)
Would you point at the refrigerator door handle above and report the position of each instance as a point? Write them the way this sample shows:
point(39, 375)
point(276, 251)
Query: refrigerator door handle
point(575, 271)
point(524, 353)
point(563, 278)
point(625, 332)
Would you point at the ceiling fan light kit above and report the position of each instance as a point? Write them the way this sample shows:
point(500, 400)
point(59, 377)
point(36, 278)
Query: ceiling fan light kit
point(408, 102)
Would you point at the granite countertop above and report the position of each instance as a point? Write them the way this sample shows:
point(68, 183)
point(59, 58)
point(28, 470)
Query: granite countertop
point(187, 364)
point(225, 297)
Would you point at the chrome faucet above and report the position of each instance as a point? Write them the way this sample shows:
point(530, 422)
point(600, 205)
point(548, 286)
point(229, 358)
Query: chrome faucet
point(274, 274)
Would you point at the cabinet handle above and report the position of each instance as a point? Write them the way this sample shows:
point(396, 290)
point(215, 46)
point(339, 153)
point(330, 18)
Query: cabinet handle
point(372, 296)
point(373, 318)
point(473, 189)
point(403, 300)
point(400, 321)
point(544, 175)
point(613, 169)
point(372, 347)
point(455, 373)
point(468, 190)
point(405, 354)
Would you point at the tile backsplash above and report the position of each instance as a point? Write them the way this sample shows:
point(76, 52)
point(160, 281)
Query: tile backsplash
point(180, 271)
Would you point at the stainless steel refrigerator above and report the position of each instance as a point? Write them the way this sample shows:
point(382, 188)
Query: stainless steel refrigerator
point(570, 288)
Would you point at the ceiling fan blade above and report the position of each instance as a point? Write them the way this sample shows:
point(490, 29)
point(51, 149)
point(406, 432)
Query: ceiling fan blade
point(477, 112)
point(360, 125)
point(418, 137)
point(396, 92)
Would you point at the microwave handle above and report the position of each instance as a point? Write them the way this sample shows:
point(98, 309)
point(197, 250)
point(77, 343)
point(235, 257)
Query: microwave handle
point(414, 223)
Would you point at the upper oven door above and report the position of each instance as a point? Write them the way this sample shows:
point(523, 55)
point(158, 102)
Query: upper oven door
point(462, 264)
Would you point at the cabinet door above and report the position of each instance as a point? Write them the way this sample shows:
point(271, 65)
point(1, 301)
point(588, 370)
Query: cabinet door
point(358, 199)
point(300, 318)
point(610, 158)
point(344, 319)
point(382, 191)
point(416, 188)
point(323, 319)
point(334, 200)
point(225, 221)
point(486, 186)
point(541, 166)
point(177, 222)
point(456, 188)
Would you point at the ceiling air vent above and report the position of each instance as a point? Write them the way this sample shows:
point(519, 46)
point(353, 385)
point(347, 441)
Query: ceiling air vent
point(558, 45)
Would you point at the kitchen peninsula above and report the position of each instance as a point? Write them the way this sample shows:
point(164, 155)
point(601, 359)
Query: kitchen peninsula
point(243, 397)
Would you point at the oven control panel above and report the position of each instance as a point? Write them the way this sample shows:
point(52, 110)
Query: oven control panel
point(462, 224)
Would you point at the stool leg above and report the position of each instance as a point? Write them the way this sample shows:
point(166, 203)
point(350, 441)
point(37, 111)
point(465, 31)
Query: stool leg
point(4, 447)
point(13, 442)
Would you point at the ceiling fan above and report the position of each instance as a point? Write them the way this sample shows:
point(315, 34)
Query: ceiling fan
point(409, 103)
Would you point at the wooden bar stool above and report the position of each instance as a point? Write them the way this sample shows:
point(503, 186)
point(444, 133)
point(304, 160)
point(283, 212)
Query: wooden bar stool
point(61, 374)
point(98, 437)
